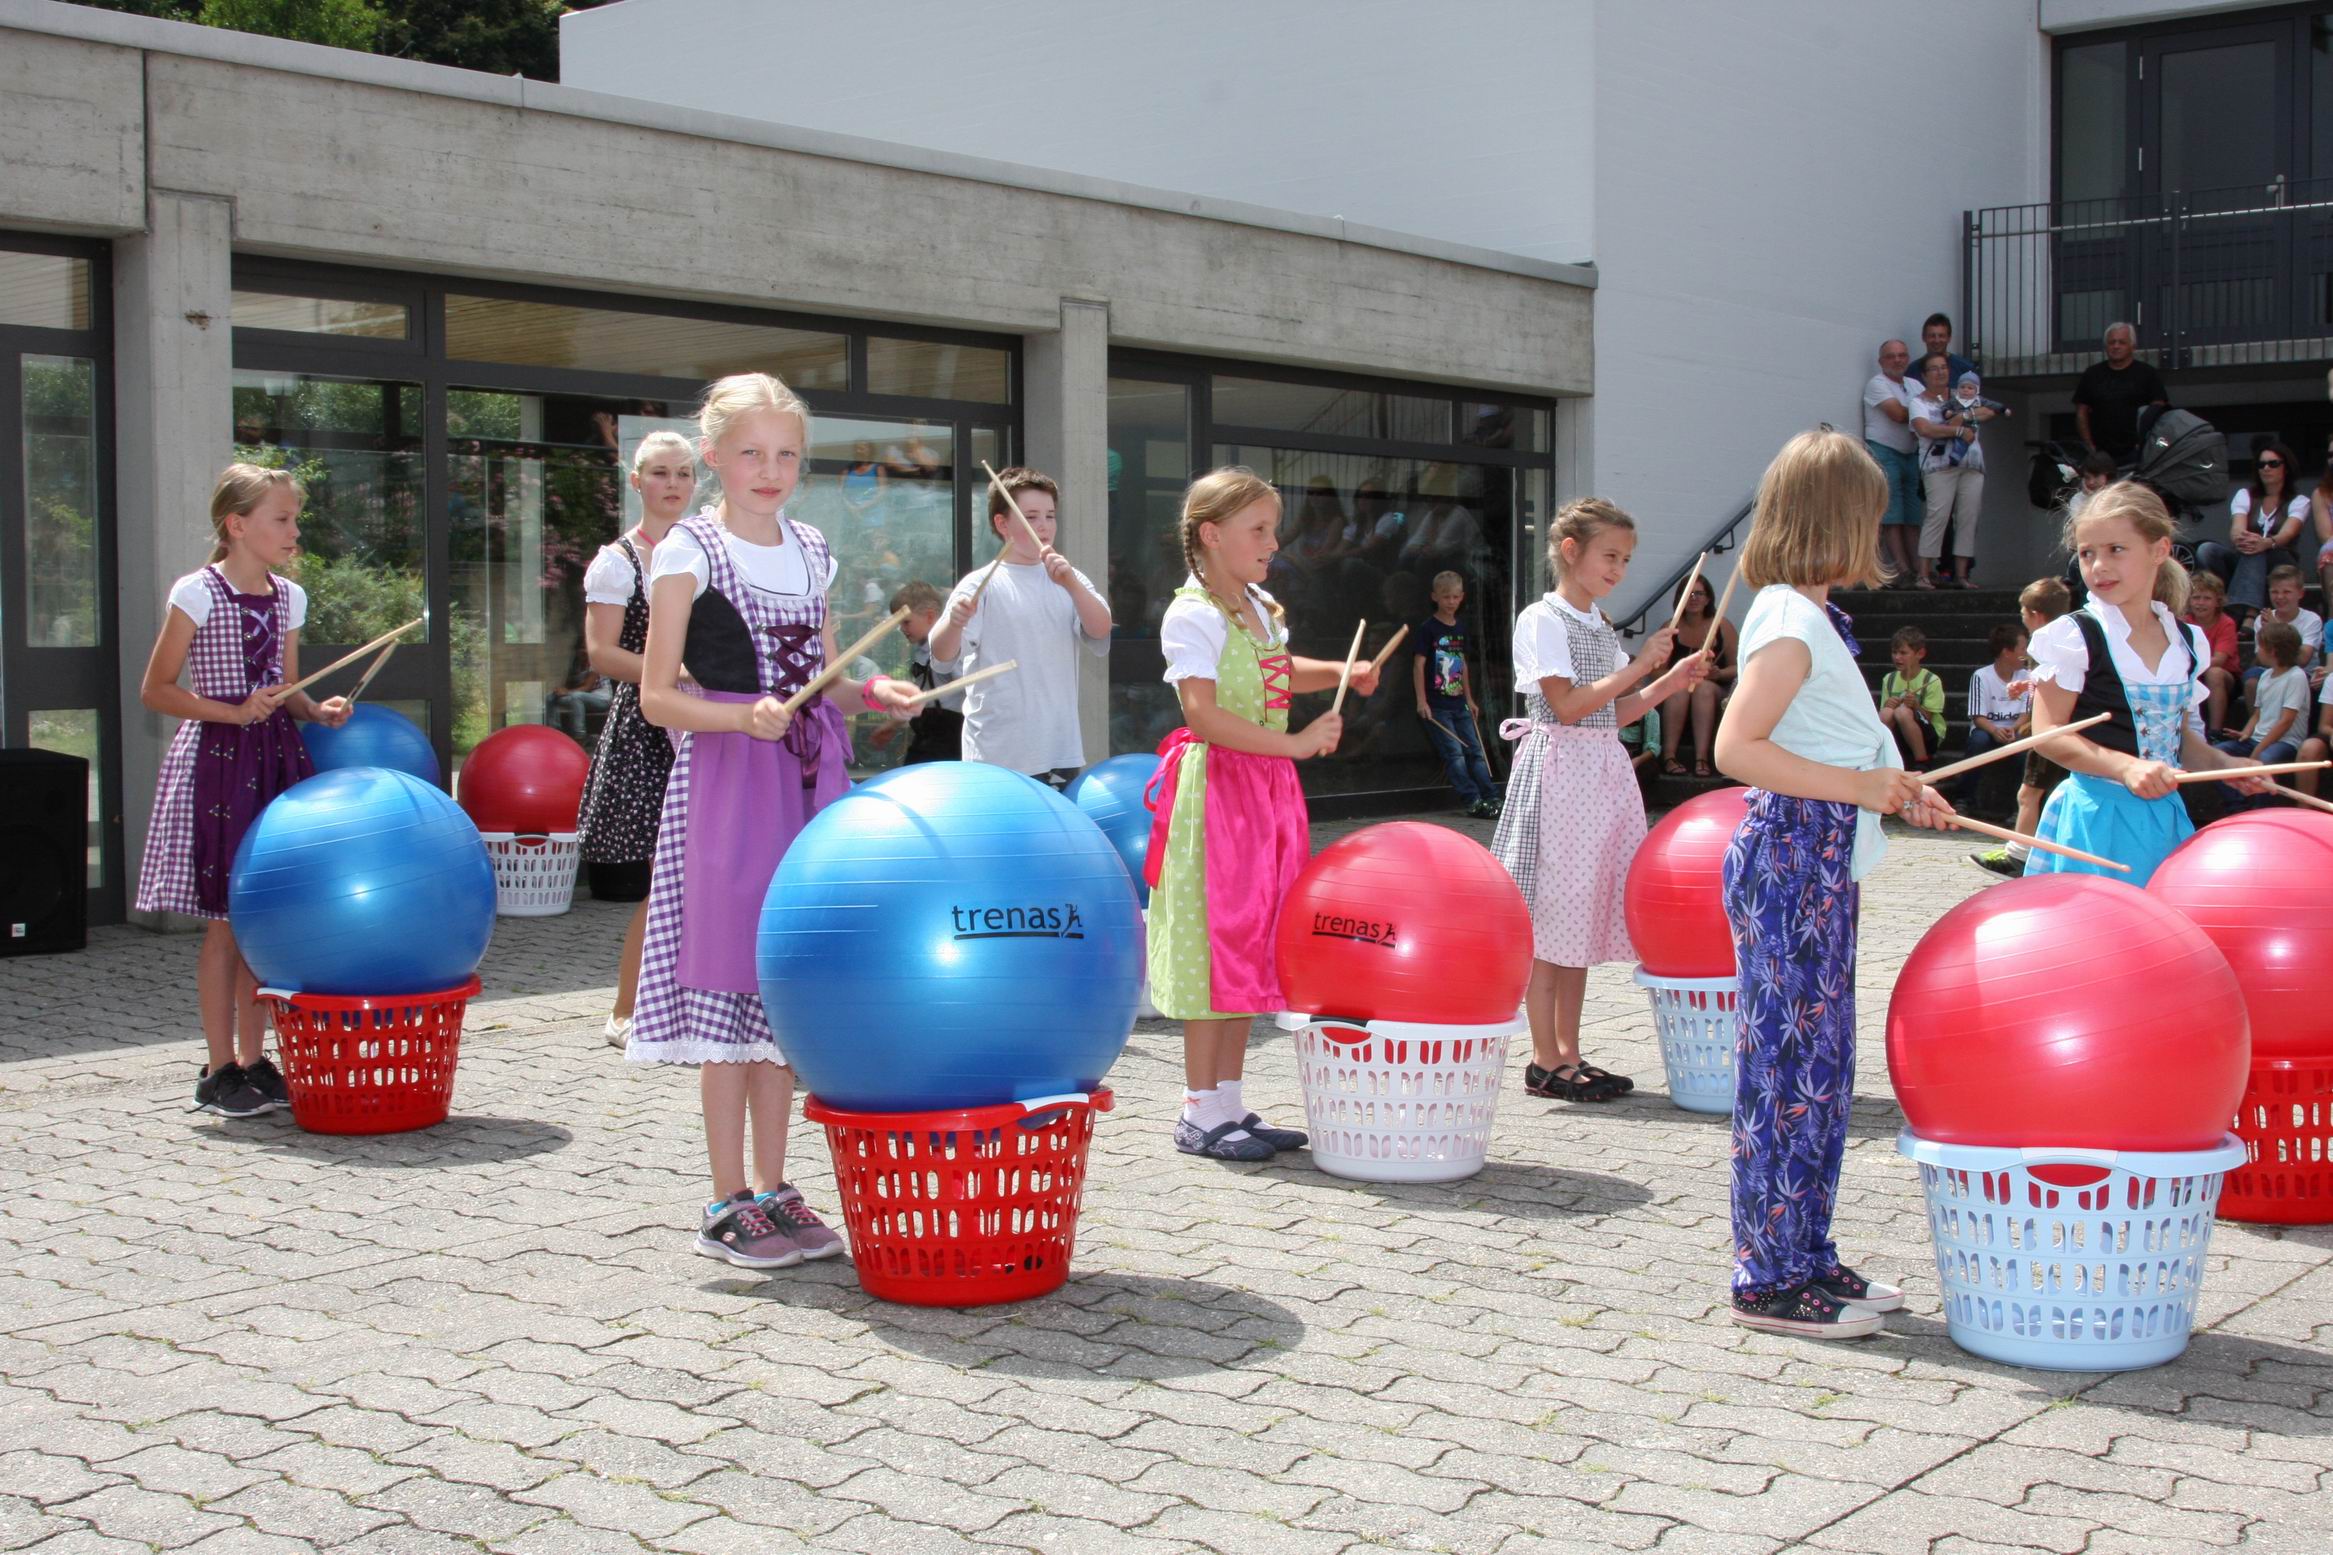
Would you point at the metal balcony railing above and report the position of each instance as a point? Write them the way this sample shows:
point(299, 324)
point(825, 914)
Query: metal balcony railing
point(2210, 278)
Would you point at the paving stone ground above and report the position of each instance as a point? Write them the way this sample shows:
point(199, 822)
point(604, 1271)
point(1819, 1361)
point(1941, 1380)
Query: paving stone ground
point(237, 1337)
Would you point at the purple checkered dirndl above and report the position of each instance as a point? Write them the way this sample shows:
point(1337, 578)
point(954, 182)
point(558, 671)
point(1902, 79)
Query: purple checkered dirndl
point(217, 777)
point(679, 1022)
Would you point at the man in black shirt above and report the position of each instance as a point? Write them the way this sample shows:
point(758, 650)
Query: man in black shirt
point(2111, 394)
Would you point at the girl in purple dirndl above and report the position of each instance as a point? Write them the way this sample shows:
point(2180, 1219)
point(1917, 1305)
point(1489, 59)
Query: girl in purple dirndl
point(237, 626)
point(1801, 730)
point(738, 592)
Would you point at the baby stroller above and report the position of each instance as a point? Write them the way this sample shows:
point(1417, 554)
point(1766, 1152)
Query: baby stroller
point(2185, 459)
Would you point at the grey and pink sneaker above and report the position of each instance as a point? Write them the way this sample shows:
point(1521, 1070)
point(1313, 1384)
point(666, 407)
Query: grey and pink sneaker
point(796, 1219)
point(740, 1231)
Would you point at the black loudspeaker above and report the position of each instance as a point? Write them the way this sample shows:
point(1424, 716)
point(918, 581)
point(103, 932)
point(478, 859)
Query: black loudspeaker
point(44, 836)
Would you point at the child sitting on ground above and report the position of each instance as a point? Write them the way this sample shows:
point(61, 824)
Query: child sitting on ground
point(2038, 604)
point(2207, 607)
point(1911, 699)
point(1997, 714)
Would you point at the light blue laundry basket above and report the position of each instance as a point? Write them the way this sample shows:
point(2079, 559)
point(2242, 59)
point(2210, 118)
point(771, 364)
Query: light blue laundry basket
point(2070, 1260)
point(1699, 1020)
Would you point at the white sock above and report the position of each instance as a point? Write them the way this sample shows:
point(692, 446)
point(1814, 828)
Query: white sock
point(1196, 1106)
point(1234, 1109)
point(2019, 851)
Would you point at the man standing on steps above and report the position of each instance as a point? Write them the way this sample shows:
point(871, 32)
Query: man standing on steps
point(1936, 340)
point(2110, 395)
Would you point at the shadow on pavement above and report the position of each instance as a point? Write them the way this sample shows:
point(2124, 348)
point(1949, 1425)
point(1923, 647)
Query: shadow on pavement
point(1101, 1324)
point(1519, 1190)
point(461, 1140)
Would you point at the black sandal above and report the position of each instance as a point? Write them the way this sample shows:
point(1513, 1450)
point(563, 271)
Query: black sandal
point(1565, 1082)
point(1620, 1083)
point(1672, 767)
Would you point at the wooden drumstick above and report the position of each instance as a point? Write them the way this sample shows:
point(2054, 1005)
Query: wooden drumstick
point(1955, 769)
point(366, 679)
point(1686, 593)
point(1345, 676)
point(346, 659)
point(2230, 774)
point(1386, 652)
point(954, 686)
point(1718, 618)
point(2006, 835)
point(828, 675)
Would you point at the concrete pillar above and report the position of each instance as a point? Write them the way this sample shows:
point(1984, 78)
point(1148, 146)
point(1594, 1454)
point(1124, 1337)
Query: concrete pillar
point(173, 427)
point(1065, 414)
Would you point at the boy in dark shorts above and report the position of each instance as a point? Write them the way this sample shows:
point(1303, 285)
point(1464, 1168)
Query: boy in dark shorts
point(2041, 602)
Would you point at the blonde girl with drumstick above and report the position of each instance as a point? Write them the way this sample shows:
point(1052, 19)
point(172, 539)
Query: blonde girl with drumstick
point(739, 592)
point(1229, 834)
point(624, 793)
point(235, 623)
point(2126, 654)
point(1574, 814)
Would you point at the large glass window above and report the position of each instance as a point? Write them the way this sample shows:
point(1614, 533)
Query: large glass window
point(2094, 121)
point(60, 501)
point(355, 445)
point(1364, 535)
point(323, 316)
point(45, 291)
point(652, 345)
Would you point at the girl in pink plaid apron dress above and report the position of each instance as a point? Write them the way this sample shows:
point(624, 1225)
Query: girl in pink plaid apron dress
point(237, 626)
point(1573, 816)
point(739, 594)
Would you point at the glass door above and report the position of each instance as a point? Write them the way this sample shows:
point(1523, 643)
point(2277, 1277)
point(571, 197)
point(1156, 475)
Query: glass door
point(2217, 126)
point(59, 687)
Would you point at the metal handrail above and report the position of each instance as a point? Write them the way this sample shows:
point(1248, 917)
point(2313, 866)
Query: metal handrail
point(1720, 541)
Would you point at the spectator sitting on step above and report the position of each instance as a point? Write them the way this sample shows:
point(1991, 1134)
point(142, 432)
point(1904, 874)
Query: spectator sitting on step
point(2097, 473)
point(1697, 705)
point(1997, 713)
point(2038, 604)
point(2284, 605)
point(2266, 518)
point(1911, 699)
point(2207, 608)
point(2280, 702)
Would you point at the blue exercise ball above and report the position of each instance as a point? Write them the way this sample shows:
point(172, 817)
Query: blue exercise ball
point(362, 881)
point(950, 935)
point(372, 737)
point(1111, 792)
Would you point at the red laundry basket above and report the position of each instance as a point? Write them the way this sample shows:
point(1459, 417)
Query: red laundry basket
point(963, 1208)
point(380, 1064)
point(2286, 1123)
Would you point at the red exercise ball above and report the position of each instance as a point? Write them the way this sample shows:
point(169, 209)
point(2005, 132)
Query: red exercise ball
point(1405, 922)
point(2235, 880)
point(527, 779)
point(1675, 900)
point(2067, 1010)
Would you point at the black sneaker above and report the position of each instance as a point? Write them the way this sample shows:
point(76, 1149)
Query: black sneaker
point(228, 1091)
point(2000, 862)
point(1844, 1284)
point(1482, 810)
point(268, 1081)
point(1807, 1311)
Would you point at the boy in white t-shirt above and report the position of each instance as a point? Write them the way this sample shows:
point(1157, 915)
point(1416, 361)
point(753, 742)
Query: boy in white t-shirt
point(2000, 700)
point(2318, 746)
point(1036, 610)
point(2280, 700)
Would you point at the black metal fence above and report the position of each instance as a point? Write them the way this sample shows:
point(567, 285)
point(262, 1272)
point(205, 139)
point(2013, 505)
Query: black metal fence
point(2216, 277)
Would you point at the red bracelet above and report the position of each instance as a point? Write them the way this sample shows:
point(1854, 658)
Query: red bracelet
point(867, 693)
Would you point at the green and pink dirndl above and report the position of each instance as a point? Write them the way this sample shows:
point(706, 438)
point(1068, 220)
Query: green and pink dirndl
point(731, 808)
point(1229, 835)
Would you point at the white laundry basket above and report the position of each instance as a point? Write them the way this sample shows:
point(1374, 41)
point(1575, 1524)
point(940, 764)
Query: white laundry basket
point(1399, 1101)
point(1699, 1019)
point(534, 874)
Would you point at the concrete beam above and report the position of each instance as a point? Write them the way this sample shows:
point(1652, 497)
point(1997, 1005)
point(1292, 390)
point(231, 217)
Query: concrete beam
point(433, 182)
point(173, 419)
point(73, 124)
point(1065, 413)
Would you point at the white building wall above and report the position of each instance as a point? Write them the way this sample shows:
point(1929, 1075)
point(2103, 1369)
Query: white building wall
point(1764, 189)
point(1471, 125)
